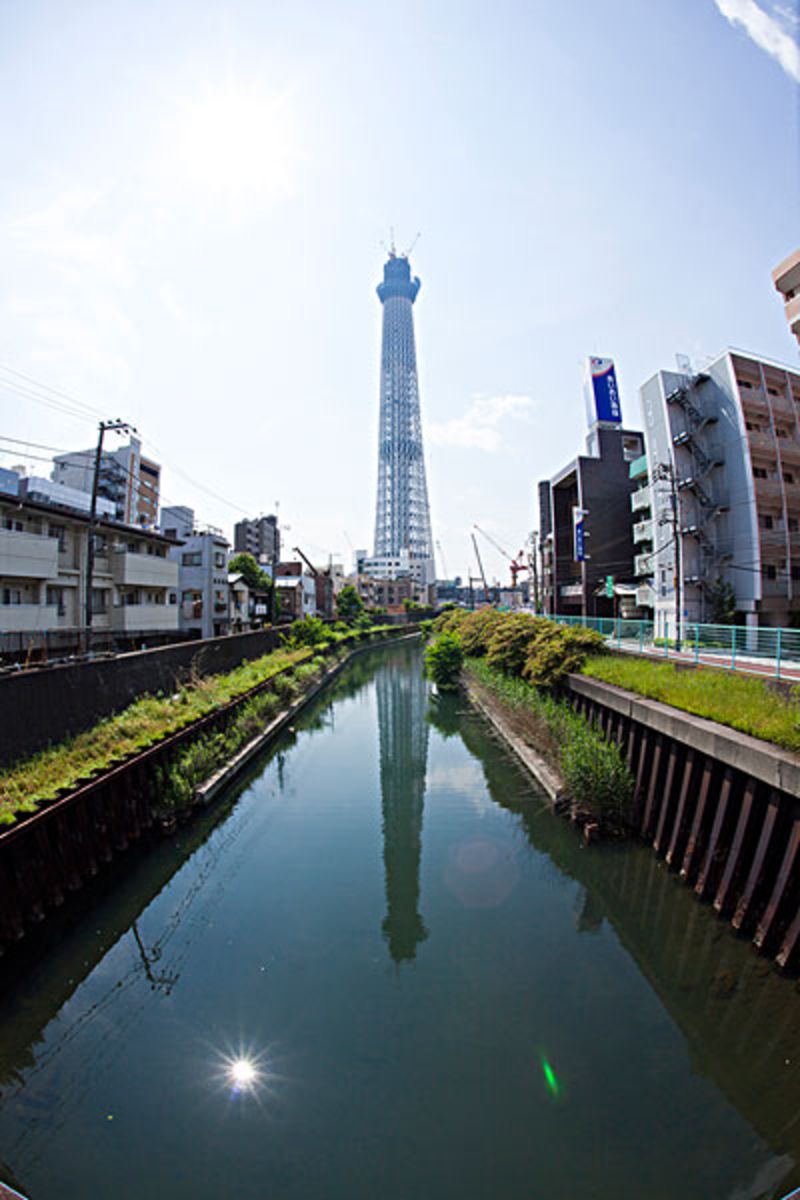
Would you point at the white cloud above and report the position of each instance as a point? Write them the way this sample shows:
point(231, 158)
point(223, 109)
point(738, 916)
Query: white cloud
point(478, 429)
point(765, 30)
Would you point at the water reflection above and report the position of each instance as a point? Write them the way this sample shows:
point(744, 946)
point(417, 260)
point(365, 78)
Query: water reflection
point(402, 695)
point(739, 1017)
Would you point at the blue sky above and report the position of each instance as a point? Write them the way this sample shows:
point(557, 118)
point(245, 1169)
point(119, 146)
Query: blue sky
point(195, 197)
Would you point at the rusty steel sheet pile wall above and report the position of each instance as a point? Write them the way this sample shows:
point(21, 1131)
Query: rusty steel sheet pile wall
point(47, 705)
point(721, 808)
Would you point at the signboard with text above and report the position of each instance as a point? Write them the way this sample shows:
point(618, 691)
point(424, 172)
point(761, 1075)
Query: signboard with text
point(602, 393)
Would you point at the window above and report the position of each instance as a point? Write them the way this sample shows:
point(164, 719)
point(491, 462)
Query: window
point(767, 521)
point(781, 433)
point(173, 599)
point(769, 572)
point(219, 558)
point(792, 524)
point(795, 573)
point(99, 600)
point(759, 472)
point(193, 558)
point(16, 526)
point(788, 477)
point(55, 595)
point(58, 531)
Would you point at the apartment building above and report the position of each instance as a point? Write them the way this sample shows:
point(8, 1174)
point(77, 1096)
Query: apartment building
point(786, 278)
point(260, 537)
point(723, 450)
point(126, 478)
point(43, 574)
point(202, 560)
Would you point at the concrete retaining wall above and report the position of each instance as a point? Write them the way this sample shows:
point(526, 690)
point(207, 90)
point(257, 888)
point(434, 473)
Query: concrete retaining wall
point(43, 707)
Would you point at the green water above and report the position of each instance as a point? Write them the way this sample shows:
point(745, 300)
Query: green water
point(441, 992)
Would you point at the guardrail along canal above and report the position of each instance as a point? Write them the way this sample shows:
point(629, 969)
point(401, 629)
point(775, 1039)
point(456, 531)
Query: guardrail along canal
point(382, 968)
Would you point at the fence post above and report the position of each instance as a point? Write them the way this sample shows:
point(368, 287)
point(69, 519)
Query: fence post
point(619, 633)
point(778, 655)
point(733, 647)
point(641, 637)
point(696, 644)
point(666, 637)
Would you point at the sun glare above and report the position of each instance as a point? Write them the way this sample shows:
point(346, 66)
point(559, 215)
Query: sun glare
point(234, 146)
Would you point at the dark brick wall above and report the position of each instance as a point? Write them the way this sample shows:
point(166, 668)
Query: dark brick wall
point(44, 706)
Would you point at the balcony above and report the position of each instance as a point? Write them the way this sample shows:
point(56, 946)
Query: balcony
point(571, 589)
point(643, 565)
point(761, 443)
point(640, 500)
point(645, 596)
point(143, 570)
point(144, 618)
point(26, 618)
point(27, 556)
point(643, 531)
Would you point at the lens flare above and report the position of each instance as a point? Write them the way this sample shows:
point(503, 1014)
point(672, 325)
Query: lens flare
point(550, 1078)
point(243, 1074)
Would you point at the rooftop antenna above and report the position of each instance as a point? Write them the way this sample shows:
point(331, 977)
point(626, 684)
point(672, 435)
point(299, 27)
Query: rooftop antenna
point(392, 248)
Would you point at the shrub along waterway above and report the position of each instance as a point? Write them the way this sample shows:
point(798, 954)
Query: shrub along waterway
point(381, 967)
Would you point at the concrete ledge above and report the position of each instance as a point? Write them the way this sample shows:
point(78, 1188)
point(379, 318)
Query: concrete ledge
point(774, 766)
point(545, 775)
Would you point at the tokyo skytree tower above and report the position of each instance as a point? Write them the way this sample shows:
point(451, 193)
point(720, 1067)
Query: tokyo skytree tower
point(402, 519)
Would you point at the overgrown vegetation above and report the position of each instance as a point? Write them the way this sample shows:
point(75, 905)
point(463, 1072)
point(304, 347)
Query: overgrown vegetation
point(743, 702)
point(150, 719)
point(593, 769)
point(522, 660)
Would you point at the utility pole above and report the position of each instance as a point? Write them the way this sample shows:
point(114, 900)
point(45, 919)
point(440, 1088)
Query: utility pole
point(273, 589)
point(103, 427)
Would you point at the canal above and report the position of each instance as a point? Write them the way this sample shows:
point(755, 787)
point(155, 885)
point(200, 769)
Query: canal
point(382, 968)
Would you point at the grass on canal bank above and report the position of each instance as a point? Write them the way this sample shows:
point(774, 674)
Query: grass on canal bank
point(593, 769)
point(742, 702)
point(60, 768)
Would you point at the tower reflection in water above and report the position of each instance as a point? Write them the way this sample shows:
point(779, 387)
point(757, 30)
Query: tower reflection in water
point(403, 733)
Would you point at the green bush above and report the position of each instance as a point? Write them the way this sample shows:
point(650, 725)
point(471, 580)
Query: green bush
point(476, 628)
point(556, 651)
point(443, 660)
point(308, 632)
point(510, 641)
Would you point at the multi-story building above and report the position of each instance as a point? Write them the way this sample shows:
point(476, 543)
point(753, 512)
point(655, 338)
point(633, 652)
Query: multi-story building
point(43, 574)
point(128, 480)
point(202, 559)
point(392, 594)
point(260, 537)
point(723, 449)
point(402, 517)
point(296, 590)
point(786, 278)
point(585, 525)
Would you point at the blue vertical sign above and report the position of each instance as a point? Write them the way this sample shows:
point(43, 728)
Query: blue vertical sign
point(602, 393)
point(579, 535)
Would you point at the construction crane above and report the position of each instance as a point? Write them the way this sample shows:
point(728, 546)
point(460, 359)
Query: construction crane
point(480, 567)
point(325, 576)
point(442, 560)
point(517, 564)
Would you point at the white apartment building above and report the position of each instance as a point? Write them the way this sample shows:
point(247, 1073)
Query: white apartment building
point(43, 575)
point(723, 488)
point(202, 561)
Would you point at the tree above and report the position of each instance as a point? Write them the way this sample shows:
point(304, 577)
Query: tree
point(246, 566)
point(349, 604)
point(443, 661)
point(722, 600)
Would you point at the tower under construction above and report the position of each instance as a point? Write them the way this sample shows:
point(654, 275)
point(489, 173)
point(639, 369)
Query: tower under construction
point(403, 542)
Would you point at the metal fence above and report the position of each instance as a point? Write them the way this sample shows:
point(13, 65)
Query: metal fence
point(735, 647)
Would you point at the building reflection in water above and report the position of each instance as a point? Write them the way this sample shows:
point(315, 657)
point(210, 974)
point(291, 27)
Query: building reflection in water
point(403, 735)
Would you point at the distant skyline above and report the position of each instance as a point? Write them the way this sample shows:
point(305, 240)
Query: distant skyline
point(196, 196)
